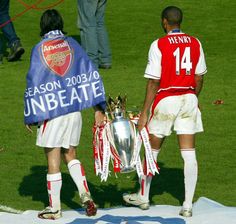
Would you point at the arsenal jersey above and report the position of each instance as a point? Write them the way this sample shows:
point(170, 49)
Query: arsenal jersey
point(175, 59)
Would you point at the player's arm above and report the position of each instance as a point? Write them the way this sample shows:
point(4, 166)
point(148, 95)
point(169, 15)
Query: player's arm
point(201, 69)
point(152, 73)
point(199, 84)
point(151, 90)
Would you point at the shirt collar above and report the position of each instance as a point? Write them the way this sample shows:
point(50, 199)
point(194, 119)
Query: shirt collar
point(175, 31)
point(53, 34)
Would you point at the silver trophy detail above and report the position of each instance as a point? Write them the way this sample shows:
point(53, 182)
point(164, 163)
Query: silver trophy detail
point(122, 132)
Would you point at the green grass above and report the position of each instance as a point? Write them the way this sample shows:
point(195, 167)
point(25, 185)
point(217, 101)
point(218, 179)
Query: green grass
point(132, 26)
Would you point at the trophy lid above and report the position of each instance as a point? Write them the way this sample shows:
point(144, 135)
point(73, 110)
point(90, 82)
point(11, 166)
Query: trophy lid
point(116, 107)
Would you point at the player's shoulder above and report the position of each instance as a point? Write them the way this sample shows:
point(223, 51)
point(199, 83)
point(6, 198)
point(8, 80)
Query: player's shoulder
point(154, 44)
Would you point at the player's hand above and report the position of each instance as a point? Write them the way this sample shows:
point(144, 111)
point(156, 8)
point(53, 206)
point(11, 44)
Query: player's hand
point(142, 121)
point(100, 118)
point(29, 128)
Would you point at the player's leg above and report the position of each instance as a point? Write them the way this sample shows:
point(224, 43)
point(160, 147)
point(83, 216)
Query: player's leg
point(54, 183)
point(73, 132)
point(78, 175)
point(187, 147)
point(159, 126)
point(186, 125)
point(141, 198)
point(145, 181)
point(51, 136)
point(71, 140)
point(76, 170)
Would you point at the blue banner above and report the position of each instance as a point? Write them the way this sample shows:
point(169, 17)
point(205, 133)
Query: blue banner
point(61, 80)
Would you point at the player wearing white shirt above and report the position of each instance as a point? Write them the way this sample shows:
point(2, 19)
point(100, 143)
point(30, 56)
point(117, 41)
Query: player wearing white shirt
point(175, 69)
point(60, 136)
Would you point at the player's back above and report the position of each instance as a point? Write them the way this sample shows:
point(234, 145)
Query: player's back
point(180, 55)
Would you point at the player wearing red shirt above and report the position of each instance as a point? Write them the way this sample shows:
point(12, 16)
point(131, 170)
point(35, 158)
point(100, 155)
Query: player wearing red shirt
point(175, 69)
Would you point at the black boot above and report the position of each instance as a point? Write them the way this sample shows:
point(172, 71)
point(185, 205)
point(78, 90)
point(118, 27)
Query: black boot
point(16, 51)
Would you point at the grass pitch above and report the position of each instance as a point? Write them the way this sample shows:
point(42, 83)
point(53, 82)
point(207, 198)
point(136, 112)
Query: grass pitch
point(132, 26)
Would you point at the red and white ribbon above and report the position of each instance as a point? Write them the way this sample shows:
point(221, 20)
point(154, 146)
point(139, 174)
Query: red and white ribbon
point(151, 164)
point(105, 149)
point(143, 137)
point(96, 150)
point(106, 156)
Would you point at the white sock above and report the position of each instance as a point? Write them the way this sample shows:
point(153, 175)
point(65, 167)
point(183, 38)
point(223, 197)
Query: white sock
point(54, 183)
point(190, 175)
point(78, 175)
point(145, 180)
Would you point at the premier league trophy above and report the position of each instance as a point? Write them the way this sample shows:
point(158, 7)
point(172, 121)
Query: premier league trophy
point(119, 140)
point(123, 132)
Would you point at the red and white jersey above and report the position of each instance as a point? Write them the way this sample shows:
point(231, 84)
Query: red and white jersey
point(175, 59)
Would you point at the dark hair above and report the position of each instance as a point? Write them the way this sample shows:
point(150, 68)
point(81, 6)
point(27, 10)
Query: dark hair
point(173, 15)
point(50, 20)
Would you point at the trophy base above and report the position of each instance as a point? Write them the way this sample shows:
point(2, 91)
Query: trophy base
point(127, 169)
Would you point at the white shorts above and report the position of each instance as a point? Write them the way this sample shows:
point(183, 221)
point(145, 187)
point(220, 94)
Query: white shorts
point(178, 112)
point(63, 131)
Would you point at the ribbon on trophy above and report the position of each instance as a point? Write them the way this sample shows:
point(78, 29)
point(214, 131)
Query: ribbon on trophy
point(151, 165)
point(104, 150)
point(119, 140)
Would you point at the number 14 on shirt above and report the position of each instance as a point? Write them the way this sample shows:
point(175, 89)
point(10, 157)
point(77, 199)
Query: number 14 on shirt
point(184, 62)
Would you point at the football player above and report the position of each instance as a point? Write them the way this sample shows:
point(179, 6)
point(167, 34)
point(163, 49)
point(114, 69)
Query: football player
point(174, 73)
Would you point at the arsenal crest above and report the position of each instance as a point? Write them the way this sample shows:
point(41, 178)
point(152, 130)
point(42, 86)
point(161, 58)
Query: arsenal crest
point(57, 55)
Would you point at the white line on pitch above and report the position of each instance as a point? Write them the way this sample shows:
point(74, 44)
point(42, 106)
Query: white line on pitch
point(9, 209)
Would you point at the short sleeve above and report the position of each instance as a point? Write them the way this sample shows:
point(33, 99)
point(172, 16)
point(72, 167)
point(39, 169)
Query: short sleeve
point(201, 68)
point(153, 68)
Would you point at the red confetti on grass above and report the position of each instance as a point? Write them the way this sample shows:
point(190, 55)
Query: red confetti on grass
point(218, 102)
